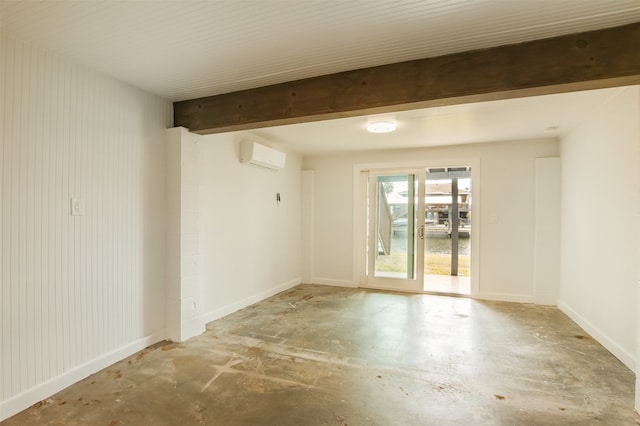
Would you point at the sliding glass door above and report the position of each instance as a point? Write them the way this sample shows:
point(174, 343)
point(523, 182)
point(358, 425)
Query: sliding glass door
point(419, 230)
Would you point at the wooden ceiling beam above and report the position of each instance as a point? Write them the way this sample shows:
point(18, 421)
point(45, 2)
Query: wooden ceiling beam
point(594, 59)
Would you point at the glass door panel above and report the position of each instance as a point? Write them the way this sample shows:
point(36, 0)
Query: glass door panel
point(447, 243)
point(395, 219)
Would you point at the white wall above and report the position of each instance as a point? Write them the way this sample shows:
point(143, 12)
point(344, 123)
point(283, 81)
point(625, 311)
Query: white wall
point(307, 220)
point(332, 232)
point(250, 246)
point(76, 292)
point(600, 204)
point(546, 271)
point(183, 287)
point(507, 180)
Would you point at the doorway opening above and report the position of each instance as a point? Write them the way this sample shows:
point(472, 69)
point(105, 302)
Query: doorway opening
point(419, 230)
point(447, 242)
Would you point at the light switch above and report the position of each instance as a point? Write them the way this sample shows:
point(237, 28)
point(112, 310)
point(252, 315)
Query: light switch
point(77, 207)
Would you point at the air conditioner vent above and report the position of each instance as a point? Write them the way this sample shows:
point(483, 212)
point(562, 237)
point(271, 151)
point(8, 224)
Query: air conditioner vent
point(261, 156)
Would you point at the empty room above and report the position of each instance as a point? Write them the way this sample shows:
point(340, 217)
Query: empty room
point(319, 212)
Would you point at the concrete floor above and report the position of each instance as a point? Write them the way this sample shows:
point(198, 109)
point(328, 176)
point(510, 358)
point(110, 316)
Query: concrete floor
point(320, 355)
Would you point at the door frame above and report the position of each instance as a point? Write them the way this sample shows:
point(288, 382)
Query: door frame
point(410, 285)
point(360, 193)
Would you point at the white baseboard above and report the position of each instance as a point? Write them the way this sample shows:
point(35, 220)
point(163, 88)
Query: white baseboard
point(504, 297)
point(236, 306)
point(618, 351)
point(637, 399)
point(335, 283)
point(24, 400)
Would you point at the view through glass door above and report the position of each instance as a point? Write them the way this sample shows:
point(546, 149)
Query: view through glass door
point(419, 230)
point(395, 218)
point(447, 242)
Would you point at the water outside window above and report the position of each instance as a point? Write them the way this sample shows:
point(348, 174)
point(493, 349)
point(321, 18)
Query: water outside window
point(440, 224)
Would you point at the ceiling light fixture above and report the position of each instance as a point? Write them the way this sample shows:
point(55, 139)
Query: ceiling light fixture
point(381, 125)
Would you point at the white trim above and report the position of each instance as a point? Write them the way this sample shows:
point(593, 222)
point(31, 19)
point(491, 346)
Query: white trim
point(359, 274)
point(335, 283)
point(248, 301)
point(308, 225)
point(24, 400)
point(546, 231)
point(505, 297)
point(637, 385)
point(391, 288)
point(618, 351)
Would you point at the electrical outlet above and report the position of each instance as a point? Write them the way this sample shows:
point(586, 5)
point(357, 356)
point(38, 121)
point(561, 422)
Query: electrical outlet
point(77, 207)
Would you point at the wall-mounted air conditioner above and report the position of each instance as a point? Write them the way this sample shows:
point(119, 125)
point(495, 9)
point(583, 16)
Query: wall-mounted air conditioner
point(262, 156)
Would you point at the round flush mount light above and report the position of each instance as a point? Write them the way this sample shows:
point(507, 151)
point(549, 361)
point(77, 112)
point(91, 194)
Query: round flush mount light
point(381, 125)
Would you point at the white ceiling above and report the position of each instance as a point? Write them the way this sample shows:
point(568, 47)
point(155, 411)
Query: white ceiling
point(505, 120)
point(187, 49)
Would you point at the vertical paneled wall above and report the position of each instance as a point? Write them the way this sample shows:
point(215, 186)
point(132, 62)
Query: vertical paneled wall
point(76, 287)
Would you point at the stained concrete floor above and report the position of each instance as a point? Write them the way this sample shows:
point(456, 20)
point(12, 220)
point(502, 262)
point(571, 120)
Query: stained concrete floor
point(320, 355)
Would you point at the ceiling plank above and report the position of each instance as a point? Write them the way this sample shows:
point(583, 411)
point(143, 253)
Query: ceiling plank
point(590, 60)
